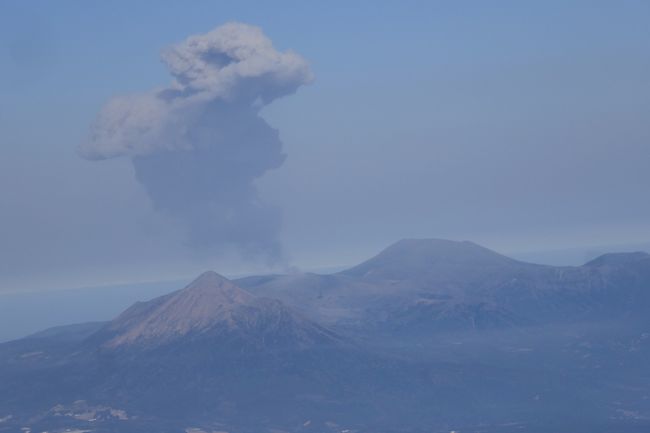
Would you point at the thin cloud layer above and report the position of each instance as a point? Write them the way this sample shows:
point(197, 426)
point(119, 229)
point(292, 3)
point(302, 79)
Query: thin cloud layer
point(198, 144)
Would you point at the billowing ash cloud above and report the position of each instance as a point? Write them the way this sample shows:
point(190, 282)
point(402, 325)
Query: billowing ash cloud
point(198, 145)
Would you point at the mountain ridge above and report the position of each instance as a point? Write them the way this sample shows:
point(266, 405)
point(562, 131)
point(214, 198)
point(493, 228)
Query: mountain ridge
point(418, 281)
point(211, 307)
point(462, 339)
point(408, 255)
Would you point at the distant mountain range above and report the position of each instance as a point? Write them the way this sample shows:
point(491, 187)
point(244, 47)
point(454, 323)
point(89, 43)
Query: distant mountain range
point(427, 336)
point(438, 285)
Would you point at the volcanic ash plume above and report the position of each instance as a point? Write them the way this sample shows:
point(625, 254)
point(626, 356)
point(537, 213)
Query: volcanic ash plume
point(198, 145)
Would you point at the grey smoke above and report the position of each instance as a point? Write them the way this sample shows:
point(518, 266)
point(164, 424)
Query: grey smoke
point(198, 145)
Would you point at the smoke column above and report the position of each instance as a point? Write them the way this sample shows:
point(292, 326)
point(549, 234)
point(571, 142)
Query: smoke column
point(198, 144)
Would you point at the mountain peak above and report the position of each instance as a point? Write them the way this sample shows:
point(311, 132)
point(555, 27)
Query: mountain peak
point(213, 307)
point(206, 301)
point(440, 249)
point(414, 256)
point(209, 277)
point(214, 289)
point(618, 259)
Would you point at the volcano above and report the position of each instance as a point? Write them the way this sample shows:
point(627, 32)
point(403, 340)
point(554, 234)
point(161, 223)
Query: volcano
point(213, 311)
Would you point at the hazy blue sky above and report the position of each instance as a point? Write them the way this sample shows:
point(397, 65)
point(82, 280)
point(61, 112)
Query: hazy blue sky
point(517, 125)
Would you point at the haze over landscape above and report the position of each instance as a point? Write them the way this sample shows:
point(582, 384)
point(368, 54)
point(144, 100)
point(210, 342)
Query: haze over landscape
point(256, 217)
